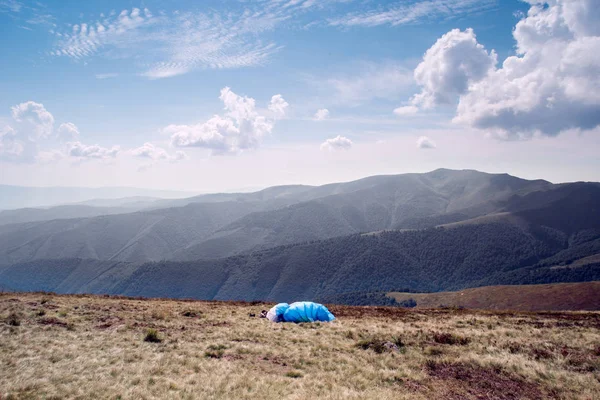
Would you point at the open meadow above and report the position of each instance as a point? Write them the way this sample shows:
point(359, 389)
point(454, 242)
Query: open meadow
point(92, 347)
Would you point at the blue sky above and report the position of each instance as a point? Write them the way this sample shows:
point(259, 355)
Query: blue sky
point(217, 95)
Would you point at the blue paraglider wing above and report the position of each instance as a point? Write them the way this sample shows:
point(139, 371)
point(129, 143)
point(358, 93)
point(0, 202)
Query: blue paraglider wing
point(275, 314)
point(306, 311)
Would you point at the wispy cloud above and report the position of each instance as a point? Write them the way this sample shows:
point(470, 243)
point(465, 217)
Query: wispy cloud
point(107, 75)
point(167, 45)
point(410, 12)
point(321, 114)
point(10, 6)
point(370, 81)
point(41, 19)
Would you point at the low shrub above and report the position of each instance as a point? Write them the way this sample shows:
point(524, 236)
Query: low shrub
point(152, 336)
point(191, 313)
point(215, 351)
point(380, 345)
point(451, 339)
point(433, 351)
point(13, 319)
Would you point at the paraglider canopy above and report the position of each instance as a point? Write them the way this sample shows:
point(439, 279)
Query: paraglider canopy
point(301, 311)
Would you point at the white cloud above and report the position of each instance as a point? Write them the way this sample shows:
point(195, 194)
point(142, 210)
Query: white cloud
point(154, 153)
point(405, 12)
point(241, 128)
point(89, 152)
point(424, 142)
point(406, 110)
point(10, 6)
point(34, 117)
point(30, 123)
point(41, 19)
point(106, 76)
point(49, 156)
point(321, 114)
point(278, 106)
point(13, 147)
point(373, 81)
point(337, 143)
point(168, 45)
point(449, 66)
point(552, 85)
point(33, 124)
point(68, 132)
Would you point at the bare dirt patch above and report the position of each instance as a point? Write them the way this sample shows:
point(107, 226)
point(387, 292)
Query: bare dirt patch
point(462, 381)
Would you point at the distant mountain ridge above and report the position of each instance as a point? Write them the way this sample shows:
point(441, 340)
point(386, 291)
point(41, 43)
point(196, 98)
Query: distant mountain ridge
point(15, 197)
point(219, 225)
point(373, 234)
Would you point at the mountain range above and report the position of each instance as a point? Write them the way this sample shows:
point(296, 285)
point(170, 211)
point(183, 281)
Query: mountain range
point(442, 230)
point(15, 197)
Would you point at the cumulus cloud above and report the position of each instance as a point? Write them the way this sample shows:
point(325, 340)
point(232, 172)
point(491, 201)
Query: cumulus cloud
point(278, 105)
point(154, 153)
point(321, 114)
point(68, 132)
point(424, 142)
point(337, 143)
point(449, 66)
point(241, 128)
point(30, 123)
point(551, 85)
point(406, 110)
point(34, 117)
point(14, 148)
point(91, 152)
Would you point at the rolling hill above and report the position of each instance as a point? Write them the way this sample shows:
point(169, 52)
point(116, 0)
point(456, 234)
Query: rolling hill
point(439, 231)
point(14, 197)
point(436, 259)
point(220, 225)
point(552, 297)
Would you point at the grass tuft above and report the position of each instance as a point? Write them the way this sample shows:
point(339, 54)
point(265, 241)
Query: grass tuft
point(191, 313)
point(215, 351)
point(13, 319)
point(152, 336)
point(380, 345)
point(451, 339)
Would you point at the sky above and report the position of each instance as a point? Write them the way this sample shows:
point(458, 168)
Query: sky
point(236, 94)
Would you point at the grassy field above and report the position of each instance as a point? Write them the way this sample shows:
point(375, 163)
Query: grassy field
point(90, 347)
point(557, 297)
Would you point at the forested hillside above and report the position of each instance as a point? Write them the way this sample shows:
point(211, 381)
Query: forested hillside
point(221, 225)
point(373, 235)
point(435, 259)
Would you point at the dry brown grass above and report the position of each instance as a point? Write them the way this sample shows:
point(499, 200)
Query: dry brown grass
point(90, 347)
point(557, 296)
